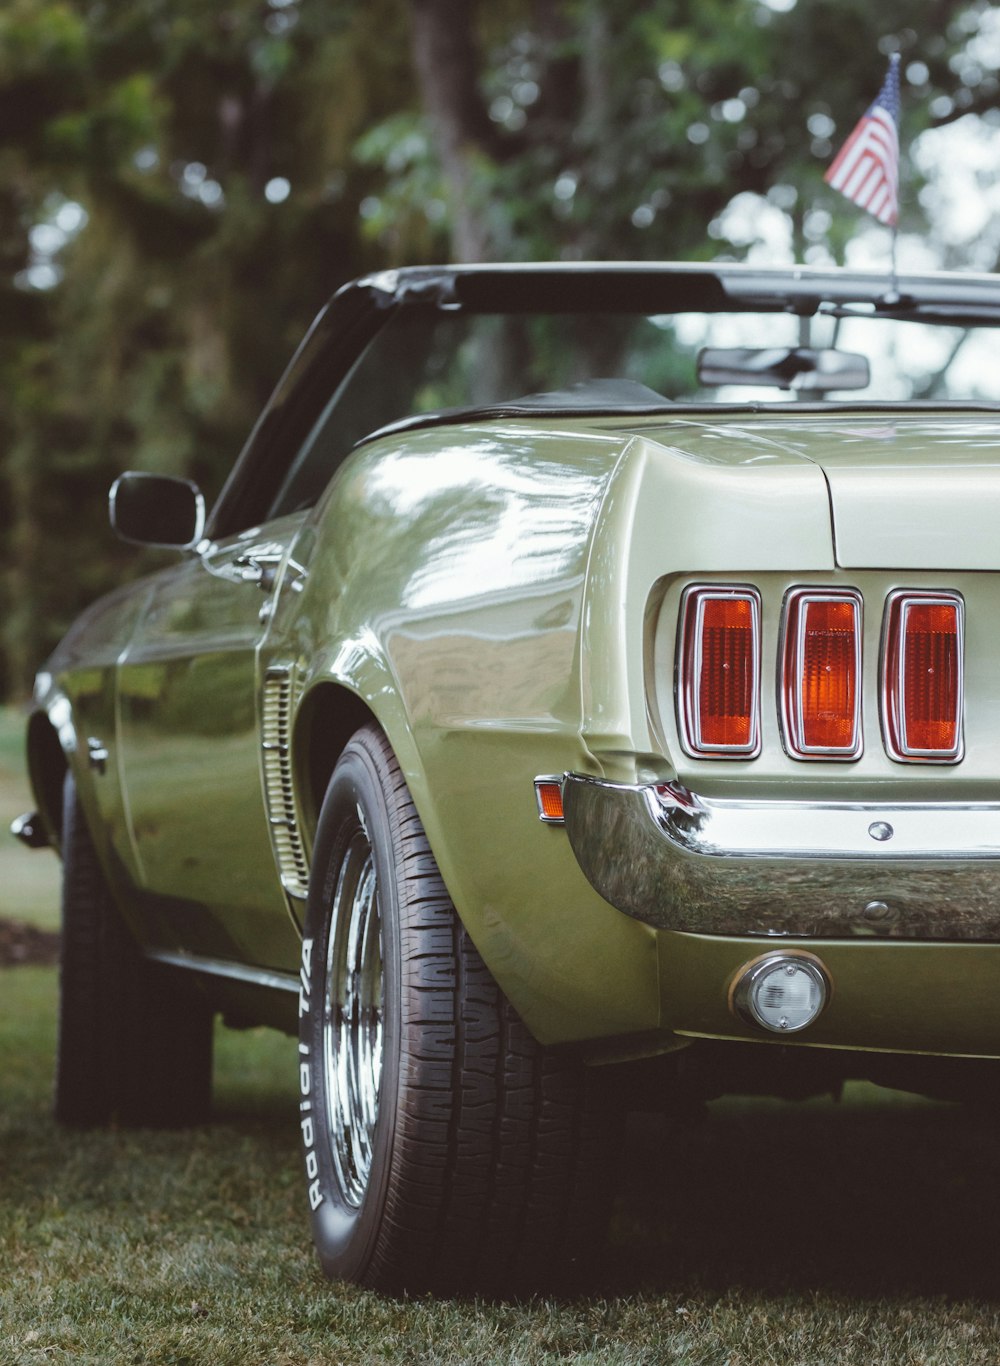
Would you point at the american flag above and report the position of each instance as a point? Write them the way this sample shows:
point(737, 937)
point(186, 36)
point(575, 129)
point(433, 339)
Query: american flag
point(866, 169)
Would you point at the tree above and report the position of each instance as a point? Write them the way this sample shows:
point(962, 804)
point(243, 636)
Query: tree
point(182, 185)
point(192, 165)
point(625, 130)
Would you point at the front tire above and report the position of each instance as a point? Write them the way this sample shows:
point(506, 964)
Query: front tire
point(133, 1047)
point(445, 1149)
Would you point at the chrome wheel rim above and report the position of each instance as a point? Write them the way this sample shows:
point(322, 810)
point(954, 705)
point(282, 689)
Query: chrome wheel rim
point(352, 1019)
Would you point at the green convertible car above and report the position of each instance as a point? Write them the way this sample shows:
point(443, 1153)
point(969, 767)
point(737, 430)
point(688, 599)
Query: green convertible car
point(583, 695)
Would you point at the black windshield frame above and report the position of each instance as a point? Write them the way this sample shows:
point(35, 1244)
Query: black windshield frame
point(346, 327)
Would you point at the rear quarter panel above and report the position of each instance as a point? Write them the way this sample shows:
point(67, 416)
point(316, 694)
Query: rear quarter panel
point(447, 567)
point(489, 591)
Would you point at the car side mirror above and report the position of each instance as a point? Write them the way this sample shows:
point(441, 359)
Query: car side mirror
point(157, 510)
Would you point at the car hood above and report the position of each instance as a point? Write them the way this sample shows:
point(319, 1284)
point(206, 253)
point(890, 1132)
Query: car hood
point(906, 492)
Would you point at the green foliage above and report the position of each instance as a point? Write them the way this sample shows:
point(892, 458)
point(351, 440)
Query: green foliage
point(632, 136)
point(409, 216)
point(177, 305)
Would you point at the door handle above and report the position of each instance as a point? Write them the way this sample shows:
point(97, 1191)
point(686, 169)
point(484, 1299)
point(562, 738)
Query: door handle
point(259, 568)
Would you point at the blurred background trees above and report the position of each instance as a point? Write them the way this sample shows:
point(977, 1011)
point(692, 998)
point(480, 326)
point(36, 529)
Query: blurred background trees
point(182, 185)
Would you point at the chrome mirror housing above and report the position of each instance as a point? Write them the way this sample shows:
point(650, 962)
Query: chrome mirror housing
point(157, 510)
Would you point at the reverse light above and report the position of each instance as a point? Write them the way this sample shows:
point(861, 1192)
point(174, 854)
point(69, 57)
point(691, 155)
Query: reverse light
point(780, 992)
point(821, 674)
point(718, 695)
point(922, 677)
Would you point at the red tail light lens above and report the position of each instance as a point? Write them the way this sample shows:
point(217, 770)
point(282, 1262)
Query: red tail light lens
point(719, 682)
point(922, 677)
point(821, 701)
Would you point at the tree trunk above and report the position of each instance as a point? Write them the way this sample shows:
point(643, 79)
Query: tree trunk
point(447, 67)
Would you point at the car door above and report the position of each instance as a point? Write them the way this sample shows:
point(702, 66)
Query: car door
point(190, 754)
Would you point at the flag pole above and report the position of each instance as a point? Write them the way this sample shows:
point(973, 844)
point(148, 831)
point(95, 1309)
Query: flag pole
point(893, 81)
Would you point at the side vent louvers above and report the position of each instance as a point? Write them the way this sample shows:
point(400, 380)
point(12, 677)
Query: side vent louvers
point(276, 729)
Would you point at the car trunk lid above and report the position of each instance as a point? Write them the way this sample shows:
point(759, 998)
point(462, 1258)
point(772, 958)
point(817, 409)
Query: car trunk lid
point(906, 491)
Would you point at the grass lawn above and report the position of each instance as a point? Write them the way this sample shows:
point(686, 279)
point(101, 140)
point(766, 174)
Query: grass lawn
point(767, 1233)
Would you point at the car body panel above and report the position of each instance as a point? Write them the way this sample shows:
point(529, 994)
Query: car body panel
point(461, 635)
point(906, 492)
point(77, 691)
point(887, 997)
point(190, 761)
point(479, 645)
point(653, 525)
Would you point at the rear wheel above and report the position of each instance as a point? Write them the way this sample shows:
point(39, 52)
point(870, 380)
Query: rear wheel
point(444, 1148)
point(132, 1045)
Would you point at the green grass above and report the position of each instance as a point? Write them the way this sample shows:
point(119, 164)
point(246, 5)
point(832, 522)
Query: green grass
point(768, 1233)
point(764, 1235)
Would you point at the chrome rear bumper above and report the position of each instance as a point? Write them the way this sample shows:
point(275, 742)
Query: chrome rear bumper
point(683, 862)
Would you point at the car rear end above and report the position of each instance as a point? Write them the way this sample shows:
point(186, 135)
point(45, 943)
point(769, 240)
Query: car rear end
point(794, 712)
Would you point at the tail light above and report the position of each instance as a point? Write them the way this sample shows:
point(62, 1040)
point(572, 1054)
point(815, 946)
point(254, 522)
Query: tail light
point(821, 675)
point(922, 677)
point(718, 691)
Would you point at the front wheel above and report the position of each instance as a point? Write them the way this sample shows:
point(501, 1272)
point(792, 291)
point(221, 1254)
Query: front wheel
point(444, 1148)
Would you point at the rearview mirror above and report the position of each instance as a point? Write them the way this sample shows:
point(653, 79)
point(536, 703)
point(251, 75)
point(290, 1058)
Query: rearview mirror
point(157, 510)
point(780, 367)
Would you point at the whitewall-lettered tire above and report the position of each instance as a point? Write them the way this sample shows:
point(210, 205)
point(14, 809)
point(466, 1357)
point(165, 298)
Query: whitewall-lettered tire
point(444, 1148)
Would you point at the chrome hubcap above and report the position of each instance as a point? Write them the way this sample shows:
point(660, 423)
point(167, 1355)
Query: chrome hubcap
point(352, 1019)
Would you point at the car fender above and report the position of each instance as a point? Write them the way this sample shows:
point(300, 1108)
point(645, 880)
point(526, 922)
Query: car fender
point(444, 594)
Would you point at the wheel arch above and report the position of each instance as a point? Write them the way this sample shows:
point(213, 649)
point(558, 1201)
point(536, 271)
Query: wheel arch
point(330, 713)
point(572, 966)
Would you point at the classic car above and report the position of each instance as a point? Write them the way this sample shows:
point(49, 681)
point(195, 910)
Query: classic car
point(583, 695)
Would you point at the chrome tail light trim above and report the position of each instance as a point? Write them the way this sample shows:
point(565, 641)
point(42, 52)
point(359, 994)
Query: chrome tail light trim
point(791, 656)
point(690, 661)
point(892, 687)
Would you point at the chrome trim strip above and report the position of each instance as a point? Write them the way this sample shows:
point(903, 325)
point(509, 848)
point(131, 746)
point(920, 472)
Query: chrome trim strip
point(791, 655)
point(683, 862)
point(689, 679)
point(277, 702)
point(218, 967)
point(892, 685)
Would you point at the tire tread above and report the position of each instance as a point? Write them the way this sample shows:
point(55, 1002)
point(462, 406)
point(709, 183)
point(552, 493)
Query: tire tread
point(500, 1153)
